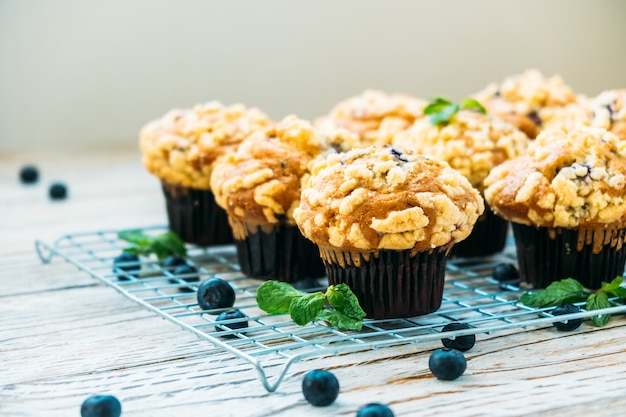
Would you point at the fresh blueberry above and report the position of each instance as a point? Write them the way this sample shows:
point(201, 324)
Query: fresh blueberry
point(29, 174)
point(242, 323)
point(171, 262)
point(215, 293)
point(101, 406)
point(320, 388)
point(505, 272)
point(570, 324)
point(462, 343)
point(127, 262)
point(187, 273)
point(447, 364)
point(374, 410)
point(57, 191)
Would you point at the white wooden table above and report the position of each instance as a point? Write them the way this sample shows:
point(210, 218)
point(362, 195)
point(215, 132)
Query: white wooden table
point(64, 336)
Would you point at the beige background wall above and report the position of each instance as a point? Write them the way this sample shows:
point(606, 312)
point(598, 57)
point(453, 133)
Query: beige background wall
point(81, 73)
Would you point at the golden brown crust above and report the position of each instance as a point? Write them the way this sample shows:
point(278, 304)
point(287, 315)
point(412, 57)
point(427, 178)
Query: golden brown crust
point(564, 179)
point(386, 198)
point(471, 143)
point(260, 182)
point(374, 115)
point(180, 147)
point(519, 99)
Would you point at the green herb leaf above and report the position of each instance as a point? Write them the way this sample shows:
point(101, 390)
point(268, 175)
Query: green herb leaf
point(472, 104)
point(305, 309)
point(557, 293)
point(614, 288)
point(340, 320)
point(163, 245)
point(444, 115)
point(343, 299)
point(597, 301)
point(343, 311)
point(275, 297)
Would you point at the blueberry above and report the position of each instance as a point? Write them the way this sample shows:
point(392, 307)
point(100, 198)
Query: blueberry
point(171, 262)
point(447, 364)
point(185, 272)
point(320, 388)
point(462, 343)
point(101, 406)
point(29, 174)
point(57, 191)
point(374, 410)
point(570, 324)
point(505, 272)
point(235, 325)
point(215, 293)
point(127, 262)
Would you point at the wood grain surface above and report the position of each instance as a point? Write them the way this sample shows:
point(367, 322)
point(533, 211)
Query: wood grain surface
point(64, 336)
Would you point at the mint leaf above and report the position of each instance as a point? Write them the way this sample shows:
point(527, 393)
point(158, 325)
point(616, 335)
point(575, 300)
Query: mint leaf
point(305, 309)
point(163, 245)
point(275, 297)
point(614, 288)
point(598, 301)
point(472, 104)
point(343, 299)
point(566, 291)
point(136, 237)
point(444, 115)
point(340, 320)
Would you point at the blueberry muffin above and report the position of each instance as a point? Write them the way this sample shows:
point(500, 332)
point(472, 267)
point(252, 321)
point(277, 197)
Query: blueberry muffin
point(565, 198)
point(526, 100)
point(472, 143)
point(384, 219)
point(374, 115)
point(180, 148)
point(259, 187)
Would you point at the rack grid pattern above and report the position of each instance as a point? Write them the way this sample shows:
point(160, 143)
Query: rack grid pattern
point(471, 296)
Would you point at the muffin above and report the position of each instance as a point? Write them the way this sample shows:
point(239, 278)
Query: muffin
point(384, 220)
point(374, 115)
point(609, 111)
point(259, 187)
point(526, 100)
point(472, 143)
point(565, 198)
point(180, 149)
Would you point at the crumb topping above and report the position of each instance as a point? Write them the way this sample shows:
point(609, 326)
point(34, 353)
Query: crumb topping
point(609, 111)
point(520, 99)
point(261, 181)
point(181, 146)
point(564, 179)
point(471, 143)
point(375, 115)
point(386, 198)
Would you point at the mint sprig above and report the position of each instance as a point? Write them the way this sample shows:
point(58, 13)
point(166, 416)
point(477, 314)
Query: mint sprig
point(337, 306)
point(569, 291)
point(163, 245)
point(441, 110)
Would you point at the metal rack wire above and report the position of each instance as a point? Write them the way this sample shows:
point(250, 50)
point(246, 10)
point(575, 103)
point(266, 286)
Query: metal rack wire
point(471, 296)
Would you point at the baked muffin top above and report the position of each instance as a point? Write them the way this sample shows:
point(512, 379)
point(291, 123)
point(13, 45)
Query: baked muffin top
point(181, 146)
point(375, 115)
point(471, 142)
point(609, 111)
point(522, 98)
point(568, 179)
point(384, 197)
point(261, 181)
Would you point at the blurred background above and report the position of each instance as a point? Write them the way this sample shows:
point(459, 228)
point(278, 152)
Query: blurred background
point(78, 74)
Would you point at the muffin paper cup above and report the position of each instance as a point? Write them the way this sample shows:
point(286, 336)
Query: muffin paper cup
point(390, 284)
point(278, 252)
point(487, 238)
point(195, 217)
point(590, 256)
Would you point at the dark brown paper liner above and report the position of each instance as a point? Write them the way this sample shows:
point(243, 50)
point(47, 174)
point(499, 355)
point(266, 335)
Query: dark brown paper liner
point(195, 217)
point(546, 255)
point(487, 238)
point(279, 252)
point(391, 284)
